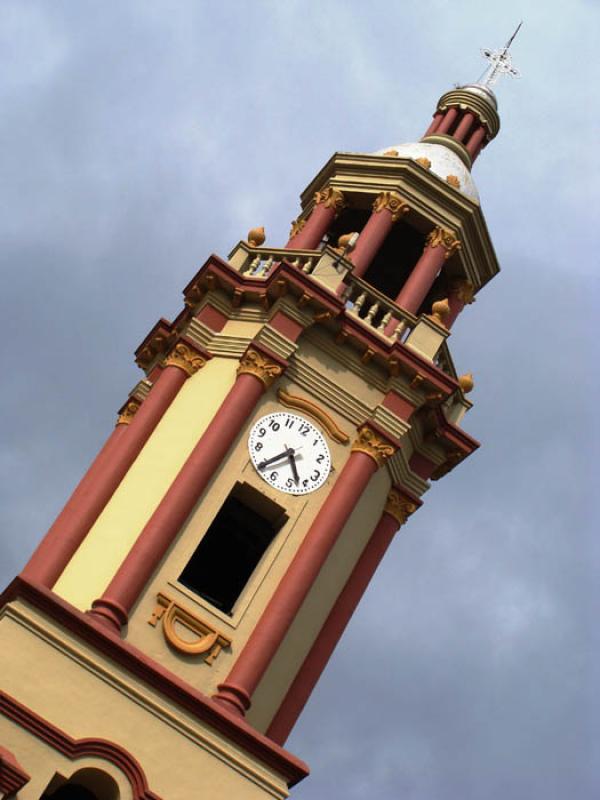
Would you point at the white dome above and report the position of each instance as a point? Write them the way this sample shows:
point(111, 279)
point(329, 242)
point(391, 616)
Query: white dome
point(444, 164)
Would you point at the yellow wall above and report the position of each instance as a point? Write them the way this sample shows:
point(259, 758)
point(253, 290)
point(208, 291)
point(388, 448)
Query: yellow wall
point(116, 529)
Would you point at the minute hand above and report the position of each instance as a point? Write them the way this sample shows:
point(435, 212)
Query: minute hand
point(263, 464)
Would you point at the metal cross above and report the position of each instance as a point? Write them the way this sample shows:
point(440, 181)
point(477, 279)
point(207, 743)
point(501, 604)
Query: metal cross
point(500, 63)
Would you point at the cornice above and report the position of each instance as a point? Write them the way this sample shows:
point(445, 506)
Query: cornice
point(468, 101)
point(401, 473)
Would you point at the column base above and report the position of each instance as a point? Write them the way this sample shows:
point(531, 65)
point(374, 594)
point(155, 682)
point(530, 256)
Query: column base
point(109, 614)
point(234, 698)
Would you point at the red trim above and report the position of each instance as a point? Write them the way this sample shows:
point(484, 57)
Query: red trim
point(157, 677)
point(285, 326)
point(295, 585)
point(421, 466)
point(398, 405)
point(78, 748)
point(156, 340)
point(12, 775)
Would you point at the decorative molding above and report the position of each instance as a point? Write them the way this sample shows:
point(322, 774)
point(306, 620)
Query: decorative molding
point(210, 641)
point(392, 202)
point(466, 382)
point(78, 748)
point(454, 458)
point(12, 775)
point(390, 423)
point(256, 363)
point(128, 411)
point(399, 506)
point(276, 341)
point(331, 198)
point(297, 225)
point(141, 390)
point(441, 237)
point(313, 410)
point(402, 474)
point(186, 358)
point(372, 444)
point(424, 162)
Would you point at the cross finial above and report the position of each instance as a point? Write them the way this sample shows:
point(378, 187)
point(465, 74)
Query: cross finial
point(500, 63)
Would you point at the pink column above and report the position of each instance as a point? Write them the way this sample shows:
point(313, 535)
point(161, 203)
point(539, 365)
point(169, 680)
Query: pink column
point(476, 141)
point(434, 123)
point(255, 373)
point(464, 126)
point(449, 117)
point(460, 295)
point(441, 244)
point(368, 453)
point(106, 473)
point(388, 208)
point(328, 203)
point(396, 511)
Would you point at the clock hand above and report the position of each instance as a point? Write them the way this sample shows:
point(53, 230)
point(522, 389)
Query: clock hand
point(293, 466)
point(289, 451)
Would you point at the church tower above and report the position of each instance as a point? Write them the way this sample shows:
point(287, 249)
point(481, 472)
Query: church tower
point(168, 630)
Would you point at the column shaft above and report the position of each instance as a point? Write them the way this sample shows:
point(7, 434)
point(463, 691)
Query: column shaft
point(292, 590)
point(434, 124)
point(447, 121)
point(464, 126)
point(421, 279)
point(177, 504)
point(332, 630)
point(100, 482)
point(328, 203)
point(476, 140)
point(372, 236)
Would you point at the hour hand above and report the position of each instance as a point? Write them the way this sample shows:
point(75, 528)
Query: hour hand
point(293, 466)
point(263, 464)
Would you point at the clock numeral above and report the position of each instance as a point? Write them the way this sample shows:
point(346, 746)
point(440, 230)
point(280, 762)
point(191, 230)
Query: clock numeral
point(274, 425)
point(262, 431)
point(258, 446)
point(304, 429)
point(273, 476)
point(289, 422)
point(289, 483)
point(320, 458)
point(315, 476)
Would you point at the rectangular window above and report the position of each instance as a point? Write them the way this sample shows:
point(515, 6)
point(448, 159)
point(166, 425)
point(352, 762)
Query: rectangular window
point(231, 548)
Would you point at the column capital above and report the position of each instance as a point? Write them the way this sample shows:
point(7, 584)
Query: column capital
point(256, 362)
point(392, 202)
point(370, 442)
point(399, 506)
point(186, 358)
point(297, 225)
point(330, 198)
point(441, 237)
point(464, 291)
point(128, 411)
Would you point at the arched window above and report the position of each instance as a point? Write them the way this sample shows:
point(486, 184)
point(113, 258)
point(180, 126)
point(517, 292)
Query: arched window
point(84, 784)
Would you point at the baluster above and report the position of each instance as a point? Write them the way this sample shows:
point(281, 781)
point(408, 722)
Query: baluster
point(265, 267)
point(307, 268)
point(295, 262)
point(358, 303)
point(386, 318)
point(254, 265)
point(371, 313)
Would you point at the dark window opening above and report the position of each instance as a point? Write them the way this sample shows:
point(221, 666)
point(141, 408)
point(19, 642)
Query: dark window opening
point(70, 791)
point(232, 547)
point(394, 262)
point(349, 221)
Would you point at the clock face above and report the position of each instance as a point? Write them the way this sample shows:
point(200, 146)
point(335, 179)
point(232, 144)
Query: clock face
point(289, 453)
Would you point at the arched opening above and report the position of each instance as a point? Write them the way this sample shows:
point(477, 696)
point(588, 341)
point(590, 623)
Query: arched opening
point(84, 784)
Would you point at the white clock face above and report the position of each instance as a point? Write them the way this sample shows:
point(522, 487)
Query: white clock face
point(289, 453)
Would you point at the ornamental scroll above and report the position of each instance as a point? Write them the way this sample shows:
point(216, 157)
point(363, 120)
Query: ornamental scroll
point(210, 641)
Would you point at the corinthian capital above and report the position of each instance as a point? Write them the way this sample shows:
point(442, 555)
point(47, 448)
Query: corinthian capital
point(399, 506)
point(393, 203)
point(331, 198)
point(253, 362)
point(186, 358)
point(374, 445)
point(128, 412)
point(440, 237)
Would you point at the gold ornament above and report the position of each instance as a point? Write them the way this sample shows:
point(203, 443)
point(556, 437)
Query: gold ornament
point(399, 506)
point(344, 241)
point(129, 411)
point(424, 162)
point(315, 411)
point(466, 382)
point(453, 180)
point(297, 225)
point(256, 237)
point(440, 237)
point(393, 203)
point(331, 198)
point(391, 152)
point(464, 291)
point(255, 363)
point(440, 311)
point(374, 445)
point(451, 461)
point(185, 358)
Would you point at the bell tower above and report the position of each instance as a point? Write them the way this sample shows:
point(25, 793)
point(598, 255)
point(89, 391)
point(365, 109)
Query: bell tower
point(168, 630)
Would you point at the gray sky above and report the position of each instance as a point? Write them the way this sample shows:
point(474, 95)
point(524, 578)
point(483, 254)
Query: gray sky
point(138, 137)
